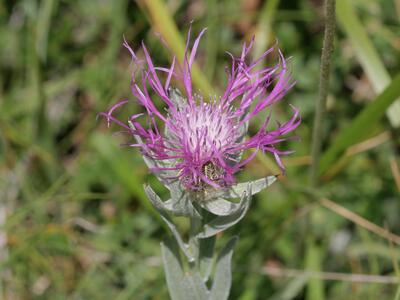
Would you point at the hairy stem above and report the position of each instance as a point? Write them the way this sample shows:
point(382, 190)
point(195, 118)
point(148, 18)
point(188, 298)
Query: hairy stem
point(313, 258)
point(327, 49)
point(194, 243)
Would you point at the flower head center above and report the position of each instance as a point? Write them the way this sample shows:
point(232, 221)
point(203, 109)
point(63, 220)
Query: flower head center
point(204, 129)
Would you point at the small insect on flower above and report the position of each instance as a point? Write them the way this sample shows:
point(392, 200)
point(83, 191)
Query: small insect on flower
point(202, 142)
point(212, 171)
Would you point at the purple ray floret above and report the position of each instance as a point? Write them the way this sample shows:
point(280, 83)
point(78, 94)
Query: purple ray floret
point(202, 141)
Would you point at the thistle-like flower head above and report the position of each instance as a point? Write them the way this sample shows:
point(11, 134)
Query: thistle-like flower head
point(202, 141)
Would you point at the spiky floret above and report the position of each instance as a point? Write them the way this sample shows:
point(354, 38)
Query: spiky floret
point(203, 141)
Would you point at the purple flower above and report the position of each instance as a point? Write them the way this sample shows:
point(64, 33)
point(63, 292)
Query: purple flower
point(202, 141)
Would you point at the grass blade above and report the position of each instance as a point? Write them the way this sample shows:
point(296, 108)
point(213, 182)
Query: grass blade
point(367, 55)
point(165, 25)
point(315, 287)
point(356, 131)
point(264, 27)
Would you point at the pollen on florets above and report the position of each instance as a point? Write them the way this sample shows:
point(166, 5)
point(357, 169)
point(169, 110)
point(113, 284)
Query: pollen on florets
point(202, 141)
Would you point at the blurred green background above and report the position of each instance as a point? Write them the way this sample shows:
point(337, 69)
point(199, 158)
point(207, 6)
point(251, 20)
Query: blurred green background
point(74, 221)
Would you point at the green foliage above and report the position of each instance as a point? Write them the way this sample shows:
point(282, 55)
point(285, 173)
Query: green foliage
point(79, 225)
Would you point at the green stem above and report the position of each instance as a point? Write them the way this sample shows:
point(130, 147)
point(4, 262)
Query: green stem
point(327, 49)
point(313, 258)
point(202, 250)
point(194, 243)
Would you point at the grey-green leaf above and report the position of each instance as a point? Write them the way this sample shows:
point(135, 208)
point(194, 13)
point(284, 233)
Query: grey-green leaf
point(175, 189)
point(256, 186)
point(242, 131)
point(174, 271)
point(159, 206)
point(221, 223)
point(182, 206)
point(185, 206)
point(223, 273)
point(196, 286)
point(220, 207)
point(176, 97)
point(181, 285)
point(206, 257)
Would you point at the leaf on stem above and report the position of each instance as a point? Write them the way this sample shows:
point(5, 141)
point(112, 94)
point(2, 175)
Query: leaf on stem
point(223, 273)
point(221, 223)
point(159, 206)
point(256, 186)
point(206, 257)
point(220, 207)
point(173, 270)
